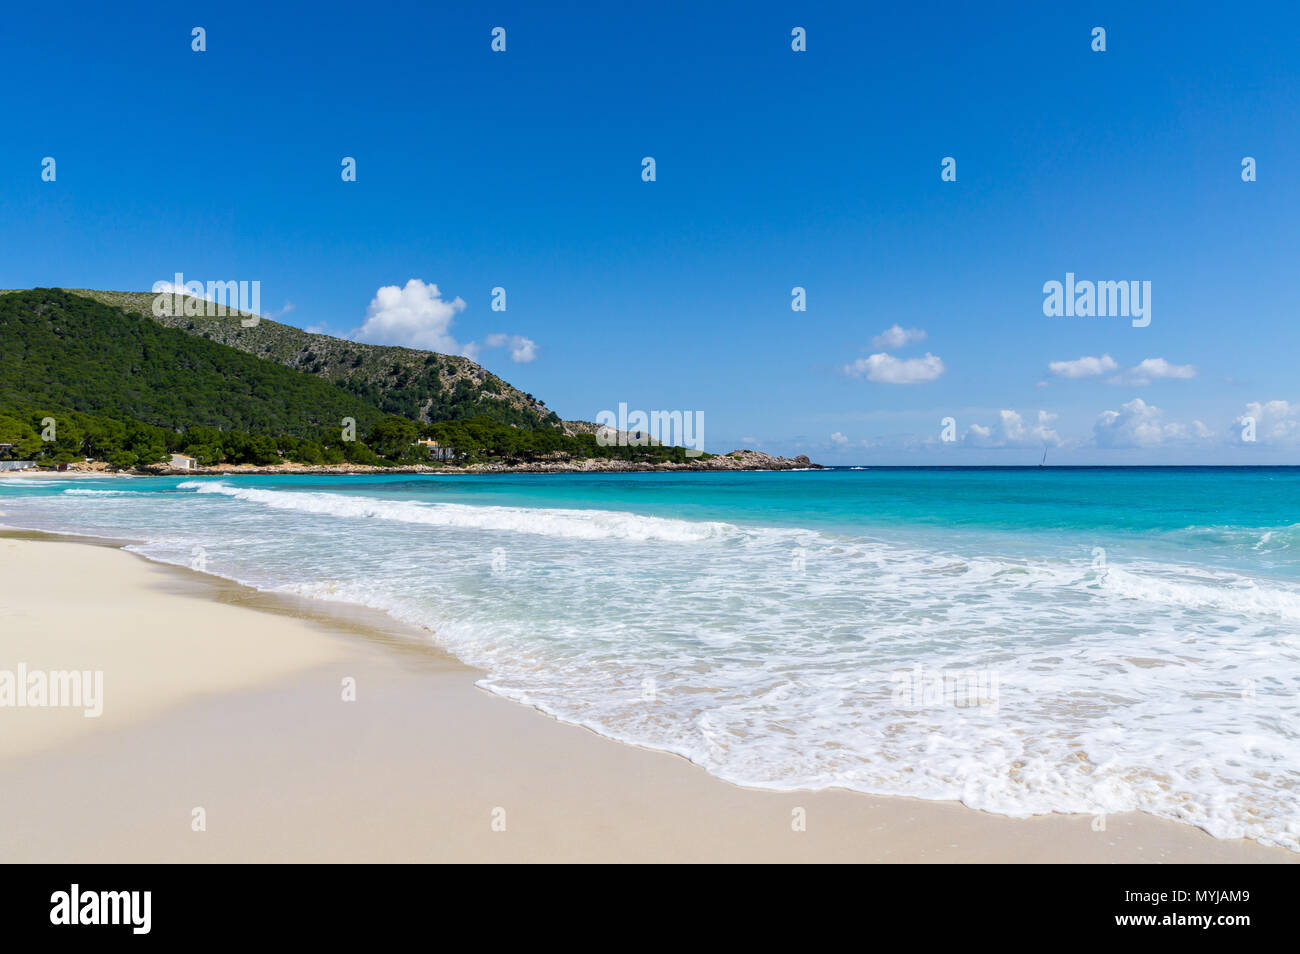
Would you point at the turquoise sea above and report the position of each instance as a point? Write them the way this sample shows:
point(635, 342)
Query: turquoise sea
point(1024, 640)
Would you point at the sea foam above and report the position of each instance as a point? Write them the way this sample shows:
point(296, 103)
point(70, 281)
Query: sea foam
point(574, 524)
point(1160, 679)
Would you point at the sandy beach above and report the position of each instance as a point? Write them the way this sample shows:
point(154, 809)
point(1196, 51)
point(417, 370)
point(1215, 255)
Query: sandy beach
point(225, 700)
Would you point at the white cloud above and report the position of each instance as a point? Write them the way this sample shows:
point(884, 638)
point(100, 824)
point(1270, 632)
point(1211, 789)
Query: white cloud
point(1084, 367)
point(1152, 369)
point(1135, 424)
point(1011, 430)
point(1275, 422)
point(415, 316)
point(886, 369)
point(522, 350)
point(839, 438)
point(192, 289)
point(896, 337)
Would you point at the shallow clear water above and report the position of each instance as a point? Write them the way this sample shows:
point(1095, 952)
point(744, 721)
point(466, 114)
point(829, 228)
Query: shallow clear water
point(1025, 641)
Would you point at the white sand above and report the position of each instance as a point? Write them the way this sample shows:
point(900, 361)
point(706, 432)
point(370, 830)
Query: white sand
point(89, 608)
point(222, 699)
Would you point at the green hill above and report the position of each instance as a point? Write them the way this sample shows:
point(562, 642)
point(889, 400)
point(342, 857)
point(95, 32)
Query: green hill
point(64, 351)
point(420, 385)
point(129, 390)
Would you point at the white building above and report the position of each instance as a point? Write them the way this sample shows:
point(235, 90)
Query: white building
point(181, 462)
point(437, 451)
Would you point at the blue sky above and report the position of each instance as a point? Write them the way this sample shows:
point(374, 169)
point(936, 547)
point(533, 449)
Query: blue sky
point(774, 169)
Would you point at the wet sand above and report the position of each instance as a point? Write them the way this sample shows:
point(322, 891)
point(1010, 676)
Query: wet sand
point(226, 705)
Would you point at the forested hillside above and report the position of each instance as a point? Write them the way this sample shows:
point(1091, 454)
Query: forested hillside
point(61, 350)
point(128, 390)
point(421, 385)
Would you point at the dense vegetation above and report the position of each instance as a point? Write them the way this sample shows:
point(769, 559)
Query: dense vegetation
point(65, 351)
point(390, 441)
point(422, 394)
point(421, 385)
point(481, 439)
point(80, 379)
point(74, 436)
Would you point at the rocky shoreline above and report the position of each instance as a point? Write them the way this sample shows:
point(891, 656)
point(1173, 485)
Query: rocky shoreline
point(736, 460)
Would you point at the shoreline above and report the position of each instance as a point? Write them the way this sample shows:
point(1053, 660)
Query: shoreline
point(746, 461)
point(417, 766)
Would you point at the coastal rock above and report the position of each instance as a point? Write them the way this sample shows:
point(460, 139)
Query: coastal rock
point(742, 459)
point(736, 460)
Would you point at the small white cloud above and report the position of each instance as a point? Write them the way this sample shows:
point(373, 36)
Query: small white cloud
point(886, 369)
point(1135, 424)
point(1153, 369)
point(288, 307)
point(839, 438)
point(1012, 430)
point(414, 316)
point(522, 350)
point(897, 337)
point(192, 289)
point(1085, 367)
point(417, 316)
point(1275, 422)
